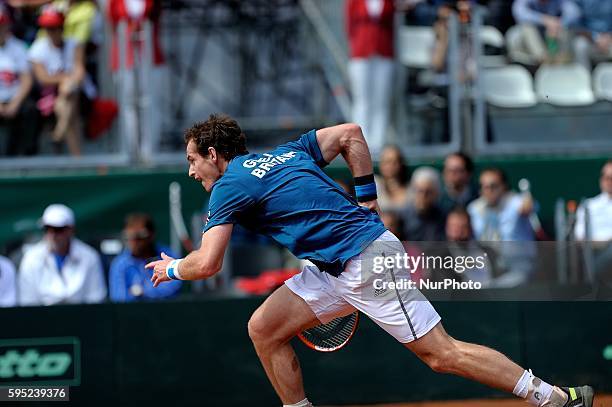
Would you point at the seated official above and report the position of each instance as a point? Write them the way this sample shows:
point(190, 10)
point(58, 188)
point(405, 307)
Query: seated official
point(129, 281)
point(60, 269)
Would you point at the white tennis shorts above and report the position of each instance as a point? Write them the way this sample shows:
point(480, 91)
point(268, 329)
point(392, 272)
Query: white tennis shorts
point(403, 312)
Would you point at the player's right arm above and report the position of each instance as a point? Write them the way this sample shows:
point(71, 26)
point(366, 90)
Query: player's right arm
point(199, 264)
point(208, 259)
point(348, 140)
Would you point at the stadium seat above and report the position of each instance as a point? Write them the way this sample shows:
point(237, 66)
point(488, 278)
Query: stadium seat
point(509, 86)
point(564, 85)
point(602, 81)
point(491, 36)
point(415, 45)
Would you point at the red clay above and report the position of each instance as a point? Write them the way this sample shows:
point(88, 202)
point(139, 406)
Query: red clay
point(600, 401)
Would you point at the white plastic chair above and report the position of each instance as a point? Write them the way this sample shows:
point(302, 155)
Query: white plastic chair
point(602, 81)
point(415, 46)
point(564, 85)
point(509, 86)
point(491, 36)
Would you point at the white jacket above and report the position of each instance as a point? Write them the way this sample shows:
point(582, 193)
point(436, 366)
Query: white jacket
point(8, 289)
point(81, 279)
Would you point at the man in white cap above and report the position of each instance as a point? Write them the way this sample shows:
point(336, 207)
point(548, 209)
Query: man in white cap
point(60, 269)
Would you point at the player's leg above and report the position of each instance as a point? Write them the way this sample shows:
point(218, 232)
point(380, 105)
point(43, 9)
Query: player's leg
point(406, 314)
point(271, 327)
point(445, 354)
point(305, 300)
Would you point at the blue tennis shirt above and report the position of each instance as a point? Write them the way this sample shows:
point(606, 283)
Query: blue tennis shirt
point(285, 195)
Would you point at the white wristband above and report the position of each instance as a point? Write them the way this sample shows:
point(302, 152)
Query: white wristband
point(172, 270)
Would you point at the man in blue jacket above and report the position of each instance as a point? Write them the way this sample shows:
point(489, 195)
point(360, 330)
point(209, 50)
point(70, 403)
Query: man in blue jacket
point(129, 280)
point(593, 41)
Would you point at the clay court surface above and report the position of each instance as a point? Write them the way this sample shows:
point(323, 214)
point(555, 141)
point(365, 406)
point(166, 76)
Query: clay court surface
point(600, 401)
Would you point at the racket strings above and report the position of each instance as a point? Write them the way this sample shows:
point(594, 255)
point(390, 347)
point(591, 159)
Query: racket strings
point(333, 334)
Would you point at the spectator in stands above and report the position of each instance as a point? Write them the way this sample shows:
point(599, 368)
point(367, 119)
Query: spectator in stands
point(370, 29)
point(458, 225)
point(129, 280)
point(428, 12)
point(439, 62)
point(440, 26)
point(81, 18)
point(599, 209)
point(458, 189)
point(18, 118)
point(85, 25)
point(499, 14)
point(423, 218)
point(58, 65)
point(543, 34)
point(392, 183)
point(25, 13)
point(500, 214)
point(134, 13)
point(60, 268)
point(594, 28)
point(460, 243)
point(8, 287)
point(500, 219)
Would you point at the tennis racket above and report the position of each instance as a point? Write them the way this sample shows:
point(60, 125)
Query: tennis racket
point(331, 336)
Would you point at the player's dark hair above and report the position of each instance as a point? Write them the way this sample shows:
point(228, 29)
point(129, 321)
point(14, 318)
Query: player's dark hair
point(140, 218)
point(467, 160)
point(500, 173)
point(220, 132)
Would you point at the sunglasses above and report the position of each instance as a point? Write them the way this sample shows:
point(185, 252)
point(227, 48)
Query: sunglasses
point(55, 229)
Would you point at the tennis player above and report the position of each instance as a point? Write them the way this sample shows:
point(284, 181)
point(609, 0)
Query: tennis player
point(285, 194)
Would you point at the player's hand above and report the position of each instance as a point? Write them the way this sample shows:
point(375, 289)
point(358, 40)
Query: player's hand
point(159, 269)
point(371, 205)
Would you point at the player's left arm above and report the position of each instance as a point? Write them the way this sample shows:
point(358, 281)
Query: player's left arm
point(348, 140)
point(199, 264)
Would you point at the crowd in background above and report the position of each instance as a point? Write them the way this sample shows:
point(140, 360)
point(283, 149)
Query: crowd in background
point(49, 60)
point(454, 207)
point(48, 90)
point(47, 80)
point(537, 32)
point(47, 86)
point(451, 213)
